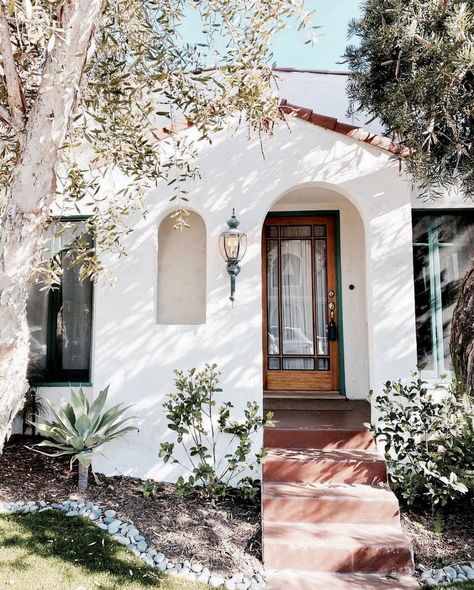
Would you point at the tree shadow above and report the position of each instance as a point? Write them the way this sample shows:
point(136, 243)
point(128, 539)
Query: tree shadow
point(52, 535)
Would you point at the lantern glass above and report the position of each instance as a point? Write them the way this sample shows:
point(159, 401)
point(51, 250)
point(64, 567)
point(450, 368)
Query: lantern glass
point(232, 245)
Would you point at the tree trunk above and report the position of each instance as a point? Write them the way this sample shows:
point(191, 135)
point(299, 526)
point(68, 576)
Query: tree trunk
point(462, 333)
point(83, 477)
point(31, 194)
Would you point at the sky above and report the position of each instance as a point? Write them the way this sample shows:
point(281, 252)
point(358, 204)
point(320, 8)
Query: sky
point(332, 16)
point(289, 48)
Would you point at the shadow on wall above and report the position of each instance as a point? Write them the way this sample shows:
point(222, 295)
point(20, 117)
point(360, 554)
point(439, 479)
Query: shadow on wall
point(137, 355)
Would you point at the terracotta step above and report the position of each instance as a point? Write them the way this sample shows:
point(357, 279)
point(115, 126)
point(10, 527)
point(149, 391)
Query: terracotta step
point(295, 580)
point(335, 503)
point(324, 466)
point(328, 438)
point(337, 548)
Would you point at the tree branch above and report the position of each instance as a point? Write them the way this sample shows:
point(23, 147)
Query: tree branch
point(16, 100)
point(8, 119)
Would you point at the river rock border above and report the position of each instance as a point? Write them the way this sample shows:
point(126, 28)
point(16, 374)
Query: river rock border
point(127, 534)
point(448, 574)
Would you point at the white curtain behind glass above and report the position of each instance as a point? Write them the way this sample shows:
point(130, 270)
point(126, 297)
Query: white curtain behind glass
point(297, 304)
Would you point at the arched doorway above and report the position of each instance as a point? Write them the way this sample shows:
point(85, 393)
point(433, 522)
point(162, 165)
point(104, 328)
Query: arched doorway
point(306, 283)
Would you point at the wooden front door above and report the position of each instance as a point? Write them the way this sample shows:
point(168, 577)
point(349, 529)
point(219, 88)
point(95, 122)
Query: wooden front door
point(300, 346)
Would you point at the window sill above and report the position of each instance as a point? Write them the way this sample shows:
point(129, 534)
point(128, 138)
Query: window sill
point(63, 384)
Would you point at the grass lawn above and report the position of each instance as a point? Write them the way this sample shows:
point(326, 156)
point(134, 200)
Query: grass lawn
point(49, 550)
point(460, 586)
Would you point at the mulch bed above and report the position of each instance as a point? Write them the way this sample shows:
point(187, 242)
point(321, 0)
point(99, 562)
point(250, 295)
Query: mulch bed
point(226, 537)
point(446, 542)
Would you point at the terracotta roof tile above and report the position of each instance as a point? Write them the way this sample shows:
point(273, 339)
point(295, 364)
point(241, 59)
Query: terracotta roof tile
point(357, 133)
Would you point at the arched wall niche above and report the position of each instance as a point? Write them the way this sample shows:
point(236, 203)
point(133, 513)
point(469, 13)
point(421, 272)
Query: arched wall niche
point(181, 281)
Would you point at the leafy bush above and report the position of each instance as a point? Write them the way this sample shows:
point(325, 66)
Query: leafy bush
point(203, 429)
point(429, 441)
point(79, 428)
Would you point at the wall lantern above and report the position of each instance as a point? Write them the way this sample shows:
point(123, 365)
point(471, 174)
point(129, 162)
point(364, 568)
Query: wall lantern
point(233, 244)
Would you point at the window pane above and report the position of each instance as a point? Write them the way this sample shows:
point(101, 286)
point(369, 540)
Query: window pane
point(272, 231)
point(37, 316)
point(319, 231)
point(295, 231)
point(298, 364)
point(321, 297)
point(421, 225)
point(297, 300)
point(75, 327)
point(453, 261)
point(273, 320)
point(424, 326)
point(273, 363)
point(323, 364)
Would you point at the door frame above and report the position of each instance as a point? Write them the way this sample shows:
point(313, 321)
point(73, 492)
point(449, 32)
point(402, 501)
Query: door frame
point(335, 214)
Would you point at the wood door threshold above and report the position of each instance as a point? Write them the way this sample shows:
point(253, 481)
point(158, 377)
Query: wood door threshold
point(270, 394)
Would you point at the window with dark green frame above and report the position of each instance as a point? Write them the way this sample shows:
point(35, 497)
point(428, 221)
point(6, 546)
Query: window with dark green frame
point(443, 246)
point(60, 318)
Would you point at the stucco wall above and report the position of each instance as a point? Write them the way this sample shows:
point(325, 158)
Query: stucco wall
point(319, 169)
point(305, 168)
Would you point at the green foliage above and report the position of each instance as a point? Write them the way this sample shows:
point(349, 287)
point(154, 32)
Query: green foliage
point(412, 67)
point(32, 407)
point(148, 489)
point(429, 441)
point(79, 428)
point(202, 429)
point(141, 79)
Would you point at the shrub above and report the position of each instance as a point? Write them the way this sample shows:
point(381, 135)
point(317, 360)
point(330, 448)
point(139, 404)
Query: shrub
point(429, 441)
point(218, 449)
point(79, 428)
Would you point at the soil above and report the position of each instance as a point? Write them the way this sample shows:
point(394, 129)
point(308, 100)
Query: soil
point(444, 540)
point(224, 536)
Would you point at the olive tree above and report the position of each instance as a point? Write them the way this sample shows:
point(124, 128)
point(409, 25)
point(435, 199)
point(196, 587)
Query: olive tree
point(86, 88)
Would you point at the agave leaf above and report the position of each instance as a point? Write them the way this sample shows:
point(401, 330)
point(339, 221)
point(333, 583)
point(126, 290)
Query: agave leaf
point(112, 414)
point(78, 401)
point(69, 412)
point(83, 425)
point(97, 406)
point(77, 442)
point(114, 426)
point(121, 432)
point(61, 417)
point(47, 443)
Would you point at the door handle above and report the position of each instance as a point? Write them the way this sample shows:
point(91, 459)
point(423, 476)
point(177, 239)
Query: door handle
point(332, 327)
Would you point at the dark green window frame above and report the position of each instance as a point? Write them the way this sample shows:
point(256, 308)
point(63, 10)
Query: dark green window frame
point(52, 371)
point(435, 291)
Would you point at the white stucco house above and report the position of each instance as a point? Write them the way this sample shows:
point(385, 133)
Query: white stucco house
point(348, 280)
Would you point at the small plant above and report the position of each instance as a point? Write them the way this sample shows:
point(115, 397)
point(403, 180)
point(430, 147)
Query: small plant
point(218, 449)
point(80, 428)
point(32, 407)
point(147, 489)
point(428, 439)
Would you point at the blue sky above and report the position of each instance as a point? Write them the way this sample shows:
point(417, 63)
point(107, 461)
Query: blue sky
point(289, 49)
point(333, 17)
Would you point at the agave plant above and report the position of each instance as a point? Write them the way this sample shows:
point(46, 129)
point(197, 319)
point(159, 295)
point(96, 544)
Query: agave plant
point(79, 428)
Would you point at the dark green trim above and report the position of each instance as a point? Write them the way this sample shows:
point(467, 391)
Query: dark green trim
point(443, 210)
point(68, 384)
point(340, 321)
point(54, 375)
